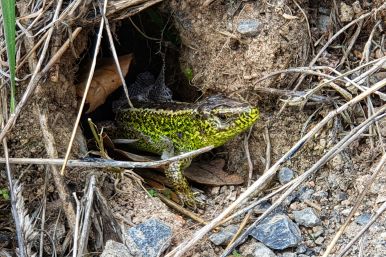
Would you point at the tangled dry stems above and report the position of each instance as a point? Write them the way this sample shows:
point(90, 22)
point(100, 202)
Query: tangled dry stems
point(43, 26)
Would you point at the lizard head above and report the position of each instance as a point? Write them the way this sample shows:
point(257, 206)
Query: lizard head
point(225, 118)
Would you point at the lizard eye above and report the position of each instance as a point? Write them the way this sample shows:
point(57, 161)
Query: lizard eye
point(222, 117)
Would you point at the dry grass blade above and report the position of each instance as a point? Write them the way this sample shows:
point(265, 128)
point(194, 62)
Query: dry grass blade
point(102, 163)
point(14, 192)
point(256, 186)
point(352, 42)
point(255, 203)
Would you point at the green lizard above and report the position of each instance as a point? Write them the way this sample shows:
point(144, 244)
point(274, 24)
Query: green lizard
point(174, 128)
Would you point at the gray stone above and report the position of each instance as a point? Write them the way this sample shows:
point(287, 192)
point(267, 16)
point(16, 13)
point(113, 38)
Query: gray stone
point(115, 249)
point(256, 249)
point(306, 194)
point(148, 239)
point(323, 22)
point(285, 175)
point(249, 27)
point(318, 250)
point(277, 232)
point(320, 195)
point(319, 240)
point(262, 251)
point(318, 231)
point(301, 249)
point(261, 207)
point(346, 12)
point(224, 236)
point(363, 219)
point(306, 217)
point(288, 254)
point(341, 196)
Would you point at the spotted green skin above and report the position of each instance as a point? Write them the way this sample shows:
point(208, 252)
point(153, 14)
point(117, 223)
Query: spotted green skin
point(176, 128)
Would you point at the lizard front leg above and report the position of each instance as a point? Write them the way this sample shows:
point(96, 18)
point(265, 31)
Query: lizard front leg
point(174, 173)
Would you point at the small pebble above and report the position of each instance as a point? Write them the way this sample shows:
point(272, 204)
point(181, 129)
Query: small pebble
point(254, 248)
point(306, 217)
point(363, 219)
point(319, 240)
point(341, 196)
point(114, 249)
point(249, 27)
point(285, 175)
point(262, 251)
point(346, 12)
point(288, 254)
point(346, 211)
point(224, 236)
point(215, 191)
point(306, 194)
point(320, 195)
point(301, 249)
point(317, 231)
point(262, 207)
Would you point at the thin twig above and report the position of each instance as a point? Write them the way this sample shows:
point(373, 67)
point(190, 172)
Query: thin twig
point(114, 52)
point(76, 225)
point(43, 218)
point(87, 87)
point(308, 24)
point(267, 140)
point(352, 42)
point(182, 210)
point(15, 213)
point(142, 33)
point(86, 224)
point(102, 163)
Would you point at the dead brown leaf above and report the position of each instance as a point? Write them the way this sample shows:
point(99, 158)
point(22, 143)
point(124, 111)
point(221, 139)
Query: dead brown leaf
point(212, 174)
point(105, 81)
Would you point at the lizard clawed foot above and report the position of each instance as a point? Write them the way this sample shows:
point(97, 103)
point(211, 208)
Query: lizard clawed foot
point(189, 200)
point(174, 173)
